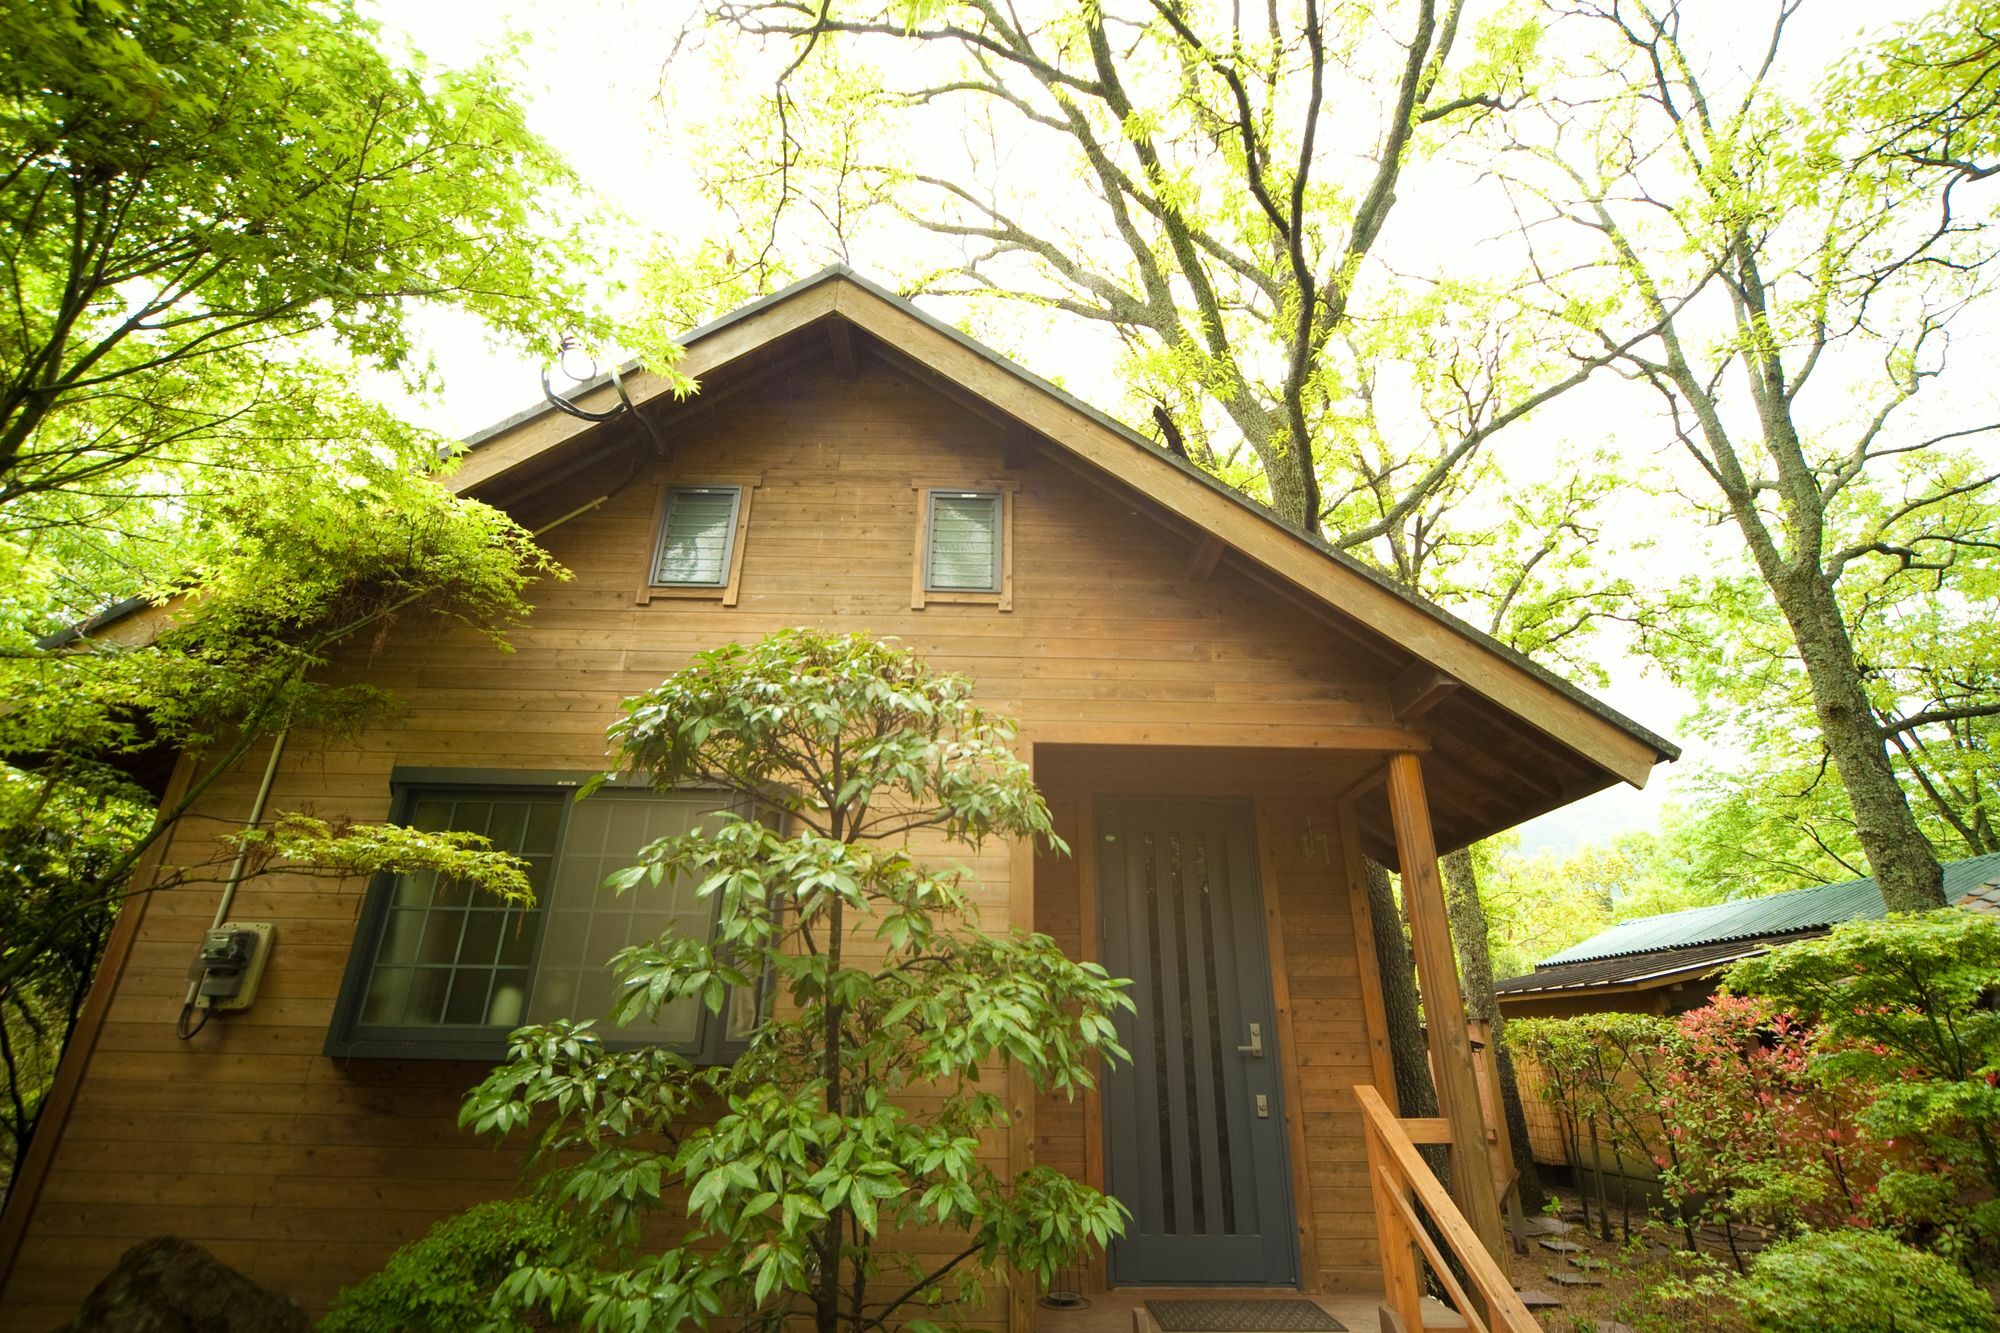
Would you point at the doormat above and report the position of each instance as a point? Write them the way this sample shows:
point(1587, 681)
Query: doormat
point(1253, 1316)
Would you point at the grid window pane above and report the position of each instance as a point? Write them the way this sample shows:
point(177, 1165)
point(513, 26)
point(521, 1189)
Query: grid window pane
point(695, 538)
point(443, 943)
point(425, 1004)
point(509, 998)
point(387, 990)
point(431, 815)
point(964, 544)
point(605, 835)
point(453, 964)
point(466, 1005)
point(399, 937)
point(517, 939)
point(481, 943)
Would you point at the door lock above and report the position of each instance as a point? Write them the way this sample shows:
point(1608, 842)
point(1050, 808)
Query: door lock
point(1256, 1047)
point(1263, 1107)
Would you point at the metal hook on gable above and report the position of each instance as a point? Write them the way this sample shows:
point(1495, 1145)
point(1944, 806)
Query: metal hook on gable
point(569, 343)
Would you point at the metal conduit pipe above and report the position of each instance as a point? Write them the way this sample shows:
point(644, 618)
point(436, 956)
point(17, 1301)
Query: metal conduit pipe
point(229, 885)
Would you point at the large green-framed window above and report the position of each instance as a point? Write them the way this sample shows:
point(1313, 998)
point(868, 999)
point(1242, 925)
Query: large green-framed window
point(441, 970)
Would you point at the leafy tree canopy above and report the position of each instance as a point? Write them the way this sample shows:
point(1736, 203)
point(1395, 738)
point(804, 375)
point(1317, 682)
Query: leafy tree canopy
point(861, 1105)
point(190, 189)
point(214, 216)
point(1926, 643)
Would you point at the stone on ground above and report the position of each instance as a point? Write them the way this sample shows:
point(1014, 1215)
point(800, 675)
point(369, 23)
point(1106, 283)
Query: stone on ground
point(170, 1285)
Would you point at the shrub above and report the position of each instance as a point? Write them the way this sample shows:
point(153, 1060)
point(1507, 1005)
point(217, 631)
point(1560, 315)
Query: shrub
point(1860, 1282)
point(1603, 1075)
point(440, 1284)
point(1901, 1008)
point(1753, 1135)
point(1681, 1292)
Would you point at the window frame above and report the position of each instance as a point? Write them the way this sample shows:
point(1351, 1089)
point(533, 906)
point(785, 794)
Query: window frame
point(922, 593)
point(727, 590)
point(347, 1040)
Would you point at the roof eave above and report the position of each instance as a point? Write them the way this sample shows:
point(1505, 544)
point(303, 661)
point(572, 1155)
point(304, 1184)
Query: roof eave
point(495, 451)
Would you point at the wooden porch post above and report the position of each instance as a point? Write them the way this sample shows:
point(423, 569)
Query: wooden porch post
point(1444, 1003)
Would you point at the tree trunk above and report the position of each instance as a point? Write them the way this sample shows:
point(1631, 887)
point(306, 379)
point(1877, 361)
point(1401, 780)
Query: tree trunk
point(1469, 933)
point(1902, 860)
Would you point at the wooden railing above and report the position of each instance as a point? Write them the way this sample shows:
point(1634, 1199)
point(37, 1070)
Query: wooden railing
point(1402, 1185)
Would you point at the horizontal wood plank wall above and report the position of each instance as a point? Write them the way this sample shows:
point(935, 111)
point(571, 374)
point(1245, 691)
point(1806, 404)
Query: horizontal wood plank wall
point(306, 1172)
point(1296, 798)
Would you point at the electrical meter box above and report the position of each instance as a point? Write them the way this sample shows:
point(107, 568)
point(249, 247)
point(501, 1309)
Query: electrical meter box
point(231, 964)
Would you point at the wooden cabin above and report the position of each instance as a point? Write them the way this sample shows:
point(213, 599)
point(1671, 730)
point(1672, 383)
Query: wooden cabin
point(1226, 716)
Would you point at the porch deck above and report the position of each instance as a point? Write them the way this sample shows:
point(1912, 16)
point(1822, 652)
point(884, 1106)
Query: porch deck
point(1125, 1311)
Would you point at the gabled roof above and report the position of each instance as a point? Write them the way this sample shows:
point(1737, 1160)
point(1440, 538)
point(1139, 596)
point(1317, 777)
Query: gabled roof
point(1774, 914)
point(1607, 740)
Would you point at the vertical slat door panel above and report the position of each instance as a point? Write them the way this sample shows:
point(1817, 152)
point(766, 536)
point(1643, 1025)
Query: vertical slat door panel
point(1173, 1020)
point(1205, 1176)
point(1142, 1156)
point(1202, 1037)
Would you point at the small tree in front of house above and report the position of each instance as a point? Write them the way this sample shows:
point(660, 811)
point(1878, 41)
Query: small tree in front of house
point(841, 1169)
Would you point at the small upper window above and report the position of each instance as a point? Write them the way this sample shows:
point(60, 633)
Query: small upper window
point(962, 547)
point(697, 536)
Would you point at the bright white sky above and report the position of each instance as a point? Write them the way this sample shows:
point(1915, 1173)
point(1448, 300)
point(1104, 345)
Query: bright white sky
point(593, 71)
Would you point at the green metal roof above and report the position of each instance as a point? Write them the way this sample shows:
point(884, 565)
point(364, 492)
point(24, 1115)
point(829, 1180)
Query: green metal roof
point(1774, 914)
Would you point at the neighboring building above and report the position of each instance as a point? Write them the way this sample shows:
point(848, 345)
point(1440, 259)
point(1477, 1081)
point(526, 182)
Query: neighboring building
point(1225, 715)
point(1670, 963)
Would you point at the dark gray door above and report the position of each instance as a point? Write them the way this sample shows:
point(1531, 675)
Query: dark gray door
point(1194, 1138)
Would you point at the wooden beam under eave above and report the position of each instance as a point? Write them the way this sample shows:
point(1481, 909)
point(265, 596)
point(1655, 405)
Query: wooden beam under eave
point(840, 342)
point(1444, 1003)
point(1207, 555)
point(1230, 735)
point(139, 629)
point(1418, 689)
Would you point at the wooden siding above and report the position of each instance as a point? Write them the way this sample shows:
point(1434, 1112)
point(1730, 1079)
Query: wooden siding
point(305, 1172)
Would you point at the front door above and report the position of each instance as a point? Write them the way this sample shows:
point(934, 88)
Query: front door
point(1194, 1138)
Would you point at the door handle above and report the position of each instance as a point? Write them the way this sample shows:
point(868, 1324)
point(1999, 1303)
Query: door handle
point(1256, 1047)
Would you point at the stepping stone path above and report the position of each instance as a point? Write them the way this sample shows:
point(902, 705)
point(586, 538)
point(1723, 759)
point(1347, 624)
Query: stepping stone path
point(1563, 1279)
point(1562, 1247)
point(1538, 1300)
point(1588, 1264)
point(1546, 1226)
